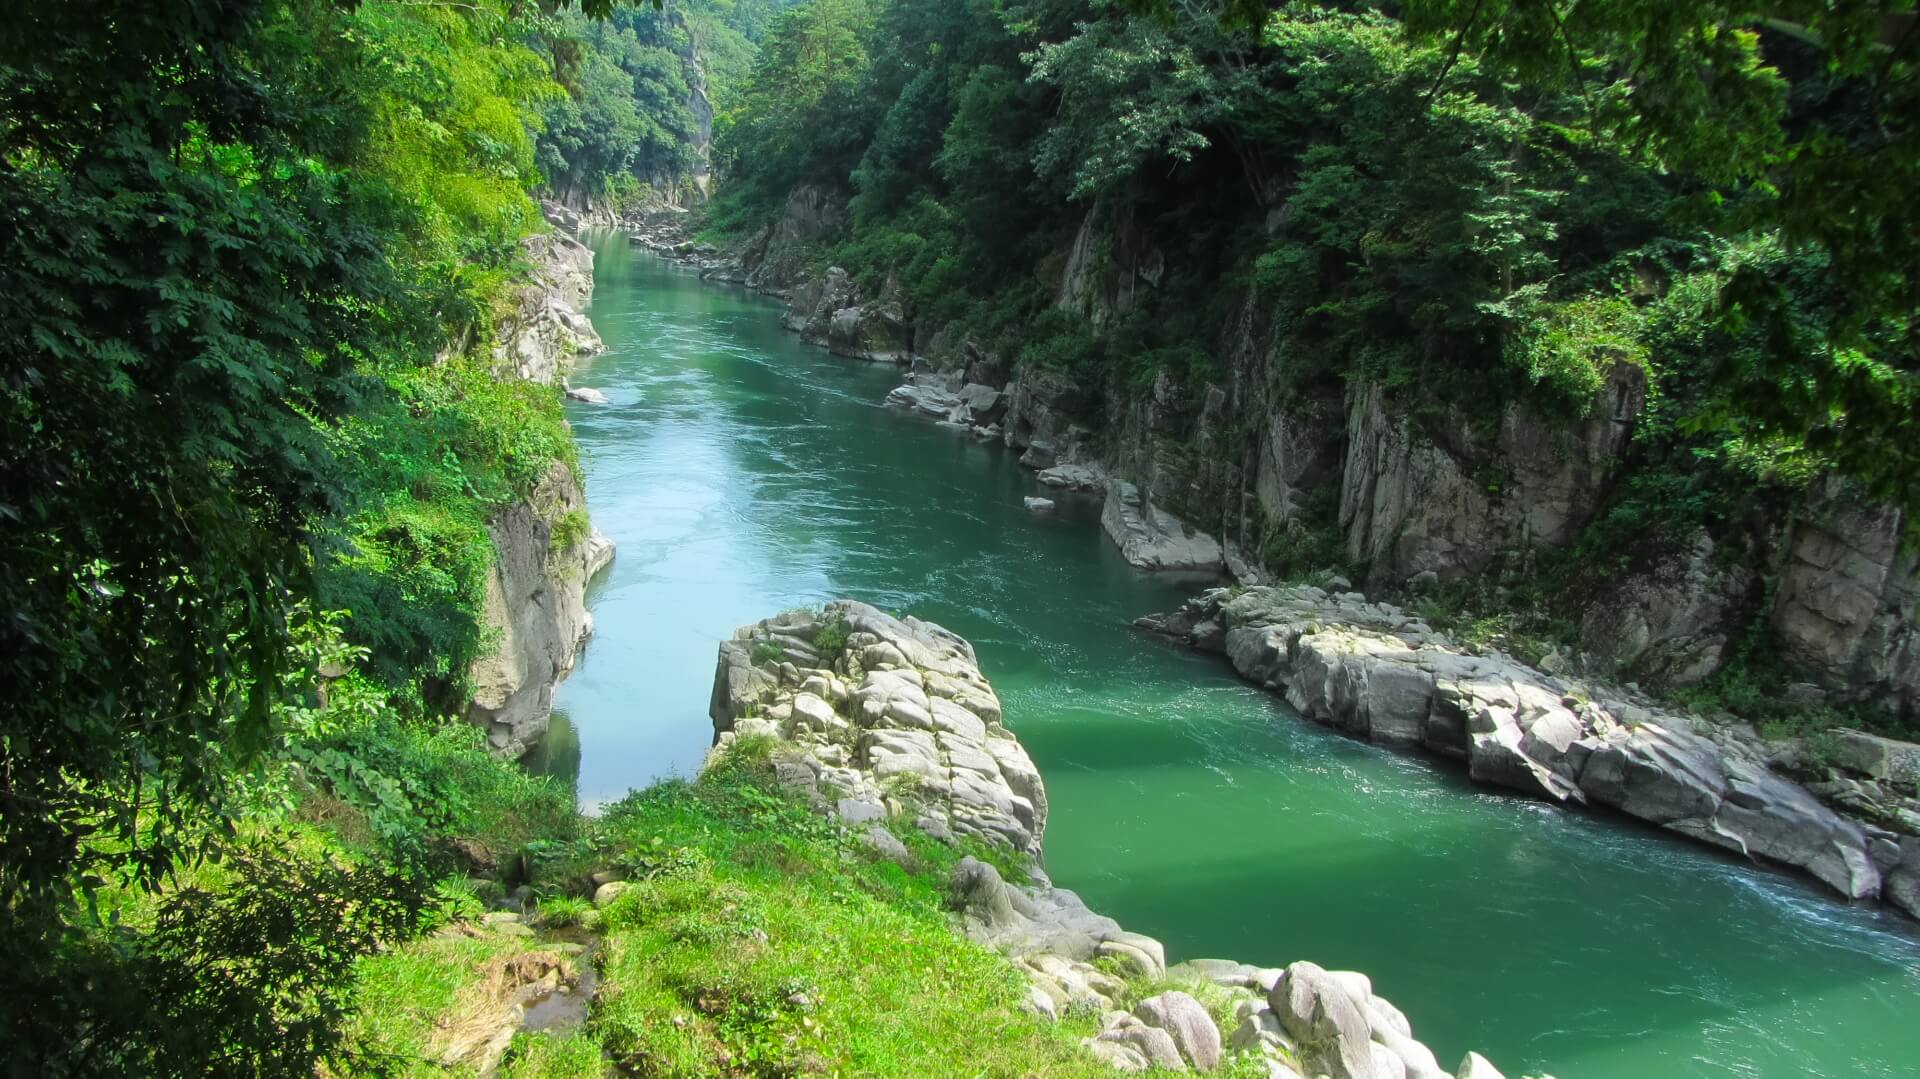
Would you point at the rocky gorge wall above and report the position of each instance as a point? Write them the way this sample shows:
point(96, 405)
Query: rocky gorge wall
point(888, 723)
point(545, 547)
point(1199, 481)
point(1215, 472)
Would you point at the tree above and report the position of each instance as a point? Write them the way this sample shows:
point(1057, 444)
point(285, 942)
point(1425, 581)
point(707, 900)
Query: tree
point(1803, 117)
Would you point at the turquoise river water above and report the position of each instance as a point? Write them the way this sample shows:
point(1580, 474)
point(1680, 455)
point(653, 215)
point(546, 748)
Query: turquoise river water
point(741, 473)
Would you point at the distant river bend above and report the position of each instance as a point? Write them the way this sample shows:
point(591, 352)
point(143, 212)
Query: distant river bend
point(741, 472)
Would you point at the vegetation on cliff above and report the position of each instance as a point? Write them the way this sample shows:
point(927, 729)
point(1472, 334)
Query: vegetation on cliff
point(237, 482)
point(1467, 207)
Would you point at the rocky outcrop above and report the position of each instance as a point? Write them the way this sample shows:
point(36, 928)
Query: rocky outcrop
point(1153, 539)
point(545, 550)
point(784, 254)
point(535, 609)
point(887, 723)
point(1847, 606)
point(1375, 672)
point(1448, 498)
point(546, 331)
point(827, 310)
point(891, 714)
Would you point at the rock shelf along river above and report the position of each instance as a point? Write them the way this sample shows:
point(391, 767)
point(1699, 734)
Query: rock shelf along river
point(742, 472)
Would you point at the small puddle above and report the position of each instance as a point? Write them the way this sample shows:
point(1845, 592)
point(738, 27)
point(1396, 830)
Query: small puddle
point(565, 1008)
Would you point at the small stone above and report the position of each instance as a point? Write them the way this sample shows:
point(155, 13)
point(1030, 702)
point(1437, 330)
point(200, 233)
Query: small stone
point(587, 394)
point(608, 892)
point(1039, 505)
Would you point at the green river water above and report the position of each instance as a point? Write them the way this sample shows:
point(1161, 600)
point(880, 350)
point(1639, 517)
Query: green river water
point(741, 473)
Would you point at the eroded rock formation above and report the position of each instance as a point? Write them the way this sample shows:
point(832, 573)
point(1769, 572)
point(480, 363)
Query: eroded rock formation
point(535, 609)
point(545, 548)
point(546, 330)
point(888, 723)
point(1376, 672)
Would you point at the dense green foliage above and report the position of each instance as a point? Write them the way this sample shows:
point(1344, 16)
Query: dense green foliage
point(239, 237)
point(1450, 203)
point(642, 87)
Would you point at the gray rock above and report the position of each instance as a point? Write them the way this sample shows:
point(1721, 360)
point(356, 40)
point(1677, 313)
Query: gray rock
point(1152, 1043)
point(604, 895)
point(1039, 505)
point(587, 394)
point(1116, 1056)
point(1073, 477)
point(1475, 1066)
point(886, 846)
point(983, 404)
point(1153, 539)
point(1193, 1030)
point(1041, 454)
point(1321, 1016)
point(854, 811)
point(534, 612)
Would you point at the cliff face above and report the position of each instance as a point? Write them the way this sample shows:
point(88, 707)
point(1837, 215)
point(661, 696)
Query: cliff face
point(536, 613)
point(545, 550)
point(546, 331)
point(1417, 494)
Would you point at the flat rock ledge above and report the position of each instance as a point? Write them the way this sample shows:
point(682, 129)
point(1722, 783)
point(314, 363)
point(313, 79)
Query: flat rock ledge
point(1377, 672)
point(888, 723)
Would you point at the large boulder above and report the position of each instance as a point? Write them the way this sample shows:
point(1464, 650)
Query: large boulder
point(1153, 539)
point(1183, 1017)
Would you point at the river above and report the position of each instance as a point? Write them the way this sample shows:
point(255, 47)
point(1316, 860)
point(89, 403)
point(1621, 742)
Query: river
point(741, 473)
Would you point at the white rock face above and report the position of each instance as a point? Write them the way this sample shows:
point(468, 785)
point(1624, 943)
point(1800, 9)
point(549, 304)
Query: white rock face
point(1154, 539)
point(546, 331)
point(1375, 672)
point(889, 719)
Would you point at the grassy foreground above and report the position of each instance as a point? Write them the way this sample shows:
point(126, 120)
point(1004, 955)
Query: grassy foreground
point(401, 903)
point(751, 936)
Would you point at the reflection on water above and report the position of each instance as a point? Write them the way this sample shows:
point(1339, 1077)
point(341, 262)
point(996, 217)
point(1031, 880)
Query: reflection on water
point(558, 752)
point(741, 473)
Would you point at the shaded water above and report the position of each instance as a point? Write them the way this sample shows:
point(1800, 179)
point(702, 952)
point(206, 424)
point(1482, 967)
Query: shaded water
point(741, 473)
